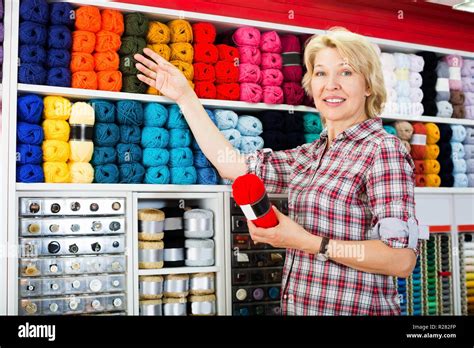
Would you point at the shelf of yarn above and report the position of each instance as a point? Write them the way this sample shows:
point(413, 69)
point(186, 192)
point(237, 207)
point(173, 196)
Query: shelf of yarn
point(178, 270)
point(85, 94)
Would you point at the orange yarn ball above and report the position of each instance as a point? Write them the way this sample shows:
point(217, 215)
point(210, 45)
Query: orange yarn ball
point(83, 41)
point(182, 51)
point(112, 20)
point(88, 18)
point(109, 80)
point(152, 90)
point(84, 79)
point(186, 68)
point(106, 61)
point(162, 49)
point(432, 152)
point(432, 180)
point(81, 62)
point(107, 41)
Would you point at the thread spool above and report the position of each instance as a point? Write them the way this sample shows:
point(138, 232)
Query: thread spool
point(150, 224)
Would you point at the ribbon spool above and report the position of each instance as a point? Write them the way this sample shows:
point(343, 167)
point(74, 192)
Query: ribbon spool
point(150, 224)
point(174, 306)
point(202, 284)
point(202, 305)
point(174, 253)
point(151, 307)
point(150, 287)
point(199, 252)
point(176, 285)
point(150, 255)
point(198, 223)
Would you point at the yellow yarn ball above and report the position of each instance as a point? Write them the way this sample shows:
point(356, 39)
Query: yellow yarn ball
point(432, 152)
point(432, 133)
point(81, 172)
point(158, 33)
point(55, 151)
point(432, 180)
point(180, 31)
point(186, 68)
point(162, 49)
point(56, 172)
point(81, 151)
point(56, 130)
point(82, 113)
point(432, 167)
point(154, 91)
point(182, 51)
point(56, 108)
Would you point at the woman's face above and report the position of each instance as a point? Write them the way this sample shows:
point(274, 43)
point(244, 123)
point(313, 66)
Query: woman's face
point(338, 91)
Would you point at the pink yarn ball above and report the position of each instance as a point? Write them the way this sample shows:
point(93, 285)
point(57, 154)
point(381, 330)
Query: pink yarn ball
point(272, 95)
point(271, 61)
point(272, 77)
point(247, 36)
point(249, 73)
point(270, 42)
point(293, 92)
point(292, 73)
point(251, 92)
point(250, 55)
point(290, 43)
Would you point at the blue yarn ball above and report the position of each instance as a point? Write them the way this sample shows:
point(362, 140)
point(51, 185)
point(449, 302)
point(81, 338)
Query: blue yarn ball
point(180, 138)
point(131, 173)
point(29, 154)
point(250, 144)
point(226, 119)
point(155, 137)
point(28, 133)
point(154, 157)
point(59, 36)
point(106, 174)
point(32, 54)
point(390, 130)
point(157, 175)
point(155, 115)
point(249, 125)
point(35, 11)
point(183, 175)
point(104, 110)
point(33, 74)
point(200, 160)
point(103, 155)
point(129, 153)
point(195, 146)
point(181, 157)
point(30, 108)
point(176, 118)
point(61, 13)
point(130, 112)
point(130, 134)
point(60, 77)
point(33, 34)
point(207, 176)
point(58, 58)
point(211, 116)
point(460, 180)
point(233, 136)
point(29, 173)
point(106, 134)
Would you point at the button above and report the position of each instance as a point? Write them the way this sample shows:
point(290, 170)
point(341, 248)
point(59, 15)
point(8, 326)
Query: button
point(241, 294)
point(73, 248)
point(96, 226)
point(54, 286)
point(76, 284)
point(34, 208)
point(115, 226)
point(94, 207)
point(34, 228)
point(75, 227)
point(117, 302)
point(55, 208)
point(31, 308)
point(115, 244)
point(53, 268)
point(116, 283)
point(54, 247)
point(96, 247)
point(73, 304)
point(95, 285)
point(75, 206)
point(116, 205)
point(76, 266)
point(53, 307)
point(54, 228)
point(116, 266)
point(31, 269)
point(30, 287)
point(285, 297)
point(96, 304)
point(258, 294)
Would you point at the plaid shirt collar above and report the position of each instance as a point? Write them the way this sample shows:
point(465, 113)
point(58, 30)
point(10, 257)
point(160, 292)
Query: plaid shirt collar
point(358, 131)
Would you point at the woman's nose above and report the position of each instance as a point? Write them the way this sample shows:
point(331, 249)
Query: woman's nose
point(332, 82)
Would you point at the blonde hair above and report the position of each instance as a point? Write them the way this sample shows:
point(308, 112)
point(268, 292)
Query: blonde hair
point(361, 55)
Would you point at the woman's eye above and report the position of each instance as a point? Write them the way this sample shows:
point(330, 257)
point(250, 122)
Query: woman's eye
point(346, 73)
point(319, 73)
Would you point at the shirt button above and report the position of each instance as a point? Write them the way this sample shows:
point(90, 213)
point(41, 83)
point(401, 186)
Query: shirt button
point(285, 297)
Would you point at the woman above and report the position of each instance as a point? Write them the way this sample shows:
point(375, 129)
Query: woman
point(351, 225)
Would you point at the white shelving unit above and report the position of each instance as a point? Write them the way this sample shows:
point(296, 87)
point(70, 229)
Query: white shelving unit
point(214, 197)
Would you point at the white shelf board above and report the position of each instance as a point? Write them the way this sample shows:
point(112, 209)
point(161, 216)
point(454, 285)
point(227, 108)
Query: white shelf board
point(461, 121)
point(121, 187)
point(86, 94)
point(444, 190)
point(178, 270)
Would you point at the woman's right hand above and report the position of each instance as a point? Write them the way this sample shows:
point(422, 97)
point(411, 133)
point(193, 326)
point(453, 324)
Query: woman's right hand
point(160, 74)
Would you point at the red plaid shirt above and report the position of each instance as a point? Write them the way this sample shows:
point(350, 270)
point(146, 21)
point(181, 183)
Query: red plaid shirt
point(366, 175)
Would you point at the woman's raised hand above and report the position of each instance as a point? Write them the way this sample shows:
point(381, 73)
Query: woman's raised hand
point(158, 73)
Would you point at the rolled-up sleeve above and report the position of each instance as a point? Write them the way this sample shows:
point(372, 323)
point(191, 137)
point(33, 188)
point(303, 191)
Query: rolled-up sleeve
point(273, 167)
point(391, 191)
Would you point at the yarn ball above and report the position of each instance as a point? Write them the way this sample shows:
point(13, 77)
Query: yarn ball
point(312, 123)
point(32, 33)
point(207, 176)
point(136, 24)
point(233, 136)
point(183, 175)
point(59, 36)
point(131, 173)
point(81, 172)
point(249, 125)
point(132, 84)
point(390, 129)
point(204, 32)
point(58, 58)
point(272, 61)
point(110, 60)
point(55, 151)
point(88, 18)
point(228, 91)
point(200, 160)
point(35, 54)
point(155, 137)
point(106, 174)
point(103, 155)
point(155, 157)
point(226, 72)
point(130, 134)
point(181, 157)
point(29, 173)
point(61, 13)
point(132, 45)
point(84, 79)
point(106, 134)
point(56, 172)
point(176, 118)
point(158, 33)
point(28, 133)
point(155, 115)
point(112, 20)
point(129, 112)
point(226, 119)
point(432, 133)
point(247, 36)
point(56, 130)
point(180, 138)
point(183, 51)
point(186, 68)
point(206, 53)
point(33, 74)
point(272, 95)
point(128, 153)
point(81, 151)
point(30, 108)
point(83, 41)
point(60, 77)
point(270, 42)
point(180, 31)
point(275, 120)
point(34, 10)
point(104, 110)
point(250, 144)
point(29, 154)
point(109, 81)
point(158, 175)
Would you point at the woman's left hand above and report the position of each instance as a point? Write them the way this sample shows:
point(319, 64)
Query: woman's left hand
point(287, 234)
